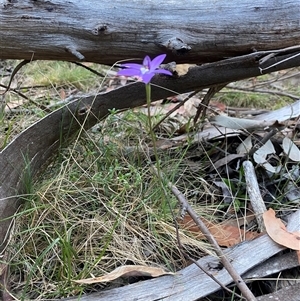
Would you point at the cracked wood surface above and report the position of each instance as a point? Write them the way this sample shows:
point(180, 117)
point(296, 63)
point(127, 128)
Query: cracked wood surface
point(106, 31)
point(191, 282)
point(192, 32)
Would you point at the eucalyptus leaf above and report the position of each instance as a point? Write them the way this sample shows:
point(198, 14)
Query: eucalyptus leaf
point(291, 149)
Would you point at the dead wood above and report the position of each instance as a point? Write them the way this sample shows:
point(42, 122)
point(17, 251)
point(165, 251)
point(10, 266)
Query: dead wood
point(274, 265)
point(191, 282)
point(106, 31)
point(110, 31)
point(290, 293)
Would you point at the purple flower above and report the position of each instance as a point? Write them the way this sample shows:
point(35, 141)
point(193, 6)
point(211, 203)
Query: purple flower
point(147, 70)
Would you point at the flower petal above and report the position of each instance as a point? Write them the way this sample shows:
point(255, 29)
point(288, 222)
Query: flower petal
point(129, 72)
point(132, 65)
point(157, 61)
point(144, 71)
point(146, 78)
point(147, 61)
point(163, 71)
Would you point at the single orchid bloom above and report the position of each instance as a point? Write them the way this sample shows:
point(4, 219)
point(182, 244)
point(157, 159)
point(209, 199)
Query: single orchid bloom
point(147, 70)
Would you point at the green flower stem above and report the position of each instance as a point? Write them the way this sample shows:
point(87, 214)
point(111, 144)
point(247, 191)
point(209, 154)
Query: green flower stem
point(152, 134)
point(153, 138)
point(148, 98)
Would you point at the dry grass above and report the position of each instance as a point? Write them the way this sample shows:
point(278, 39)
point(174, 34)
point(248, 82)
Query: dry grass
point(98, 206)
point(94, 211)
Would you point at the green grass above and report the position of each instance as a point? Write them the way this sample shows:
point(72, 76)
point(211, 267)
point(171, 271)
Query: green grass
point(64, 74)
point(244, 100)
point(99, 205)
point(96, 209)
point(44, 83)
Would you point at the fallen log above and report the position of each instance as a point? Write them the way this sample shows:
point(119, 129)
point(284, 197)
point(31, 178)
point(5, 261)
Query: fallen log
point(30, 152)
point(104, 31)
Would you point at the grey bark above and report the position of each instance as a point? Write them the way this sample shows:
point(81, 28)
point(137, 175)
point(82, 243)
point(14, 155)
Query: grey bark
point(289, 293)
point(106, 31)
point(191, 283)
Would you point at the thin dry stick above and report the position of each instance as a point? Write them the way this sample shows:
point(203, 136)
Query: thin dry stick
point(176, 107)
point(264, 140)
point(278, 63)
point(254, 90)
point(206, 99)
point(90, 69)
point(15, 71)
point(226, 263)
point(4, 276)
point(256, 200)
point(182, 249)
point(41, 106)
point(198, 265)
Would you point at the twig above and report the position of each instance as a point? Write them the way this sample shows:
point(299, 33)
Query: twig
point(256, 200)
point(198, 265)
point(176, 107)
point(75, 52)
point(254, 90)
point(262, 142)
point(89, 69)
point(277, 78)
point(205, 101)
point(224, 260)
point(41, 106)
point(17, 68)
point(4, 276)
point(277, 63)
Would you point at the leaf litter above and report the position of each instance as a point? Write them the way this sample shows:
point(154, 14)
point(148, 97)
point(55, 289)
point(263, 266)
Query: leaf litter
point(127, 271)
point(278, 232)
point(214, 150)
point(226, 234)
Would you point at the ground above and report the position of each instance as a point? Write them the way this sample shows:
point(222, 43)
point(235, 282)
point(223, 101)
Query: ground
point(100, 206)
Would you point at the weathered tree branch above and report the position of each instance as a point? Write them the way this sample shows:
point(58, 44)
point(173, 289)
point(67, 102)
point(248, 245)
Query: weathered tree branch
point(106, 31)
point(191, 283)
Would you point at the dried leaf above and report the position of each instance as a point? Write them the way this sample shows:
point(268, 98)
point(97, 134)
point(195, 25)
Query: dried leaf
point(266, 149)
point(286, 113)
point(226, 160)
point(263, 162)
point(241, 123)
point(292, 192)
point(260, 157)
point(225, 235)
point(298, 256)
point(291, 149)
point(126, 271)
point(245, 146)
point(227, 195)
point(190, 106)
point(277, 231)
point(62, 94)
point(218, 106)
